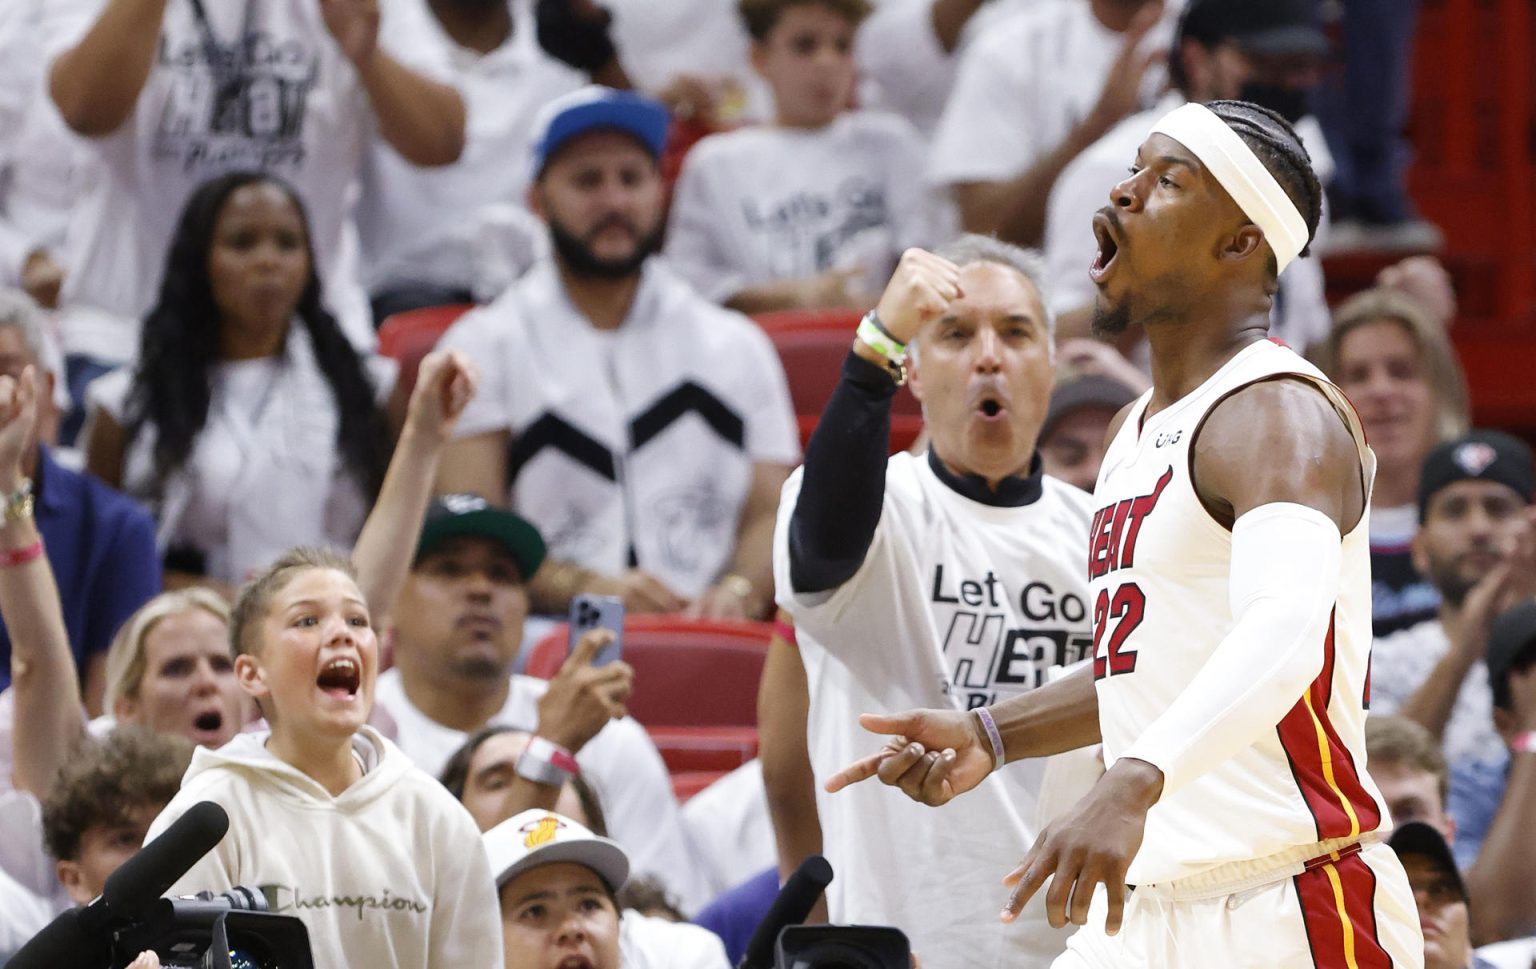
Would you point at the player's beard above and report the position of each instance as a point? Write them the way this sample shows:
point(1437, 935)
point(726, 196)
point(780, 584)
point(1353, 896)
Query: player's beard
point(1109, 322)
point(577, 255)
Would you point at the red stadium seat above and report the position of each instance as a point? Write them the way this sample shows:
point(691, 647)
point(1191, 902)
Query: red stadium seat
point(704, 748)
point(688, 672)
point(409, 336)
point(811, 346)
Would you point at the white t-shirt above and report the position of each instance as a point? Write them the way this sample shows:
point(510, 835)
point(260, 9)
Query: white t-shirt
point(1022, 87)
point(649, 942)
point(264, 474)
point(765, 204)
point(388, 873)
point(705, 39)
point(1301, 315)
point(293, 107)
point(624, 767)
point(1402, 661)
point(957, 604)
point(634, 445)
point(902, 66)
point(425, 224)
point(731, 830)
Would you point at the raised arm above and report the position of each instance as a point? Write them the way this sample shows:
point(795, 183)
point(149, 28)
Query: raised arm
point(843, 487)
point(43, 674)
point(96, 83)
point(384, 550)
point(421, 118)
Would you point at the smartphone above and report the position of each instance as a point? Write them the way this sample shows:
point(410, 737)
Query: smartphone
point(589, 612)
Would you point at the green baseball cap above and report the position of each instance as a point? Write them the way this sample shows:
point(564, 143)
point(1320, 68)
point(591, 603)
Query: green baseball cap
point(466, 514)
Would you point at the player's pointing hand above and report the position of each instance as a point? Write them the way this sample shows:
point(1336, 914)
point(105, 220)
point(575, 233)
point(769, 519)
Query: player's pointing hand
point(932, 755)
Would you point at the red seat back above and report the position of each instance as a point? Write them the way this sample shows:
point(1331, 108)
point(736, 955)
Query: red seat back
point(811, 345)
point(688, 672)
point(407, 337)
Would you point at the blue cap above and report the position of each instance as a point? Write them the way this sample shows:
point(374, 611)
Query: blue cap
point(596, 107)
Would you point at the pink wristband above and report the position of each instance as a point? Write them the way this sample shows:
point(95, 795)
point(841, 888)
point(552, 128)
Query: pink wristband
point(21, 556)
point(990, 726)
point(555, 754)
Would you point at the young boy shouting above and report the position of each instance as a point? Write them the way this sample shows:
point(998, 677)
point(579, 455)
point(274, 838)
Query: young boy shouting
point(328, 818)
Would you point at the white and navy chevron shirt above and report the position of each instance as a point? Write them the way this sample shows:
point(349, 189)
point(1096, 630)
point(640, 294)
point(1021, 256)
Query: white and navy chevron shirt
point(630, 447)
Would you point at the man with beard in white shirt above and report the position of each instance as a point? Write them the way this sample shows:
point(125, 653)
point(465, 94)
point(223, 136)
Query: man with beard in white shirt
point(458, 622)
point(460, 233)
point(645, 431)
point(949, 579)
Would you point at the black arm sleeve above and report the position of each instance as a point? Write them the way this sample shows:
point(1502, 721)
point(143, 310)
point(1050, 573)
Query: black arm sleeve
point(842, 487)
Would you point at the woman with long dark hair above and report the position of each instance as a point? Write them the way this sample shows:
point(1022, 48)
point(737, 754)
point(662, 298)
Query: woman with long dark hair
point(248, 423)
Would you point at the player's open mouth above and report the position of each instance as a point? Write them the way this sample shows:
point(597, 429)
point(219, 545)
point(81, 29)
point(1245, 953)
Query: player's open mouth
point(340, 678)
point(1108, 248)
point(990, 408)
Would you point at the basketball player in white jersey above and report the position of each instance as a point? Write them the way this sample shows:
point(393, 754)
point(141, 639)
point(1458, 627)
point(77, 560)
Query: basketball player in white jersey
point(1229, 568)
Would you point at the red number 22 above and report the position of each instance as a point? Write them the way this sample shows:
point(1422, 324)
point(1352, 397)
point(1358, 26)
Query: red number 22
point(1127, 608)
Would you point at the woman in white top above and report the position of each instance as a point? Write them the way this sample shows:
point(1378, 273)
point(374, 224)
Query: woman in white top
point(248, 423)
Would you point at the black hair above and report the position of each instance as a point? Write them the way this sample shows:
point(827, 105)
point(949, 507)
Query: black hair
point(455, 777)
point(1280, 149)
point(1498, 678)
point(181, 343)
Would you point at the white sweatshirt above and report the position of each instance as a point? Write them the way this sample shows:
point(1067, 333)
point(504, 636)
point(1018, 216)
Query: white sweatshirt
point(389, 874)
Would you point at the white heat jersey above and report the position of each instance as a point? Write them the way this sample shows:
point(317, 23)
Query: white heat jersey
point(1160, 567)
point(957, 604)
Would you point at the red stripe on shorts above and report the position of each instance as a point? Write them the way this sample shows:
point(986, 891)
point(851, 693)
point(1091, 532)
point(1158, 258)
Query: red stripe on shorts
point(1326, 785)
point(1338, 908)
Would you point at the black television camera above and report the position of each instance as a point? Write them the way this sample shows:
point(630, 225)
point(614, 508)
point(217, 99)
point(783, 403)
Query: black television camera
point(207, 931)
point(781, 942)
point(204, 931)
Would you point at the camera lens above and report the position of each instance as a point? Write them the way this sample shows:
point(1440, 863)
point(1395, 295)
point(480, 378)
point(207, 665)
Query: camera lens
point(246, 899)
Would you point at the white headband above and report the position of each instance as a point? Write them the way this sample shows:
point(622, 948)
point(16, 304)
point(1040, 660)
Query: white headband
point(1238, 169)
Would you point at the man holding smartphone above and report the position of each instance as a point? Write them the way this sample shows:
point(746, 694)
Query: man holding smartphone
point(457, 627)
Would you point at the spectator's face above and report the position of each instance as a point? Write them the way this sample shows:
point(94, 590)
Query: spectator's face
point(318, 657)
point(1074, 448)
point(1442, 913)
point(1411, 795)
point(807, 58)
point(602, 196)
point(488, 784)
point(259, 260)
point(103, 848)
point(1384, 374)
point(559, 916)
point(460, 614)
point(983, 373)
point(1469, 527)
point(189, 685)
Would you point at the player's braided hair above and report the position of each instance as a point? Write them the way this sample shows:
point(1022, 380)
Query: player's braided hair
point(1279, 147)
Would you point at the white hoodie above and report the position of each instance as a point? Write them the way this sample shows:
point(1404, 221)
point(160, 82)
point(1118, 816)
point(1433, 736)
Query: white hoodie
point(389, 874)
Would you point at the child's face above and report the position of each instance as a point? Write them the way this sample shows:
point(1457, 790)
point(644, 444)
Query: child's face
point(104, 847)
point(807, 58)
point(318, 657)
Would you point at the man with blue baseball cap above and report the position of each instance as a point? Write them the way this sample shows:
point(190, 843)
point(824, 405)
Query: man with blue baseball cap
point(642, 429)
